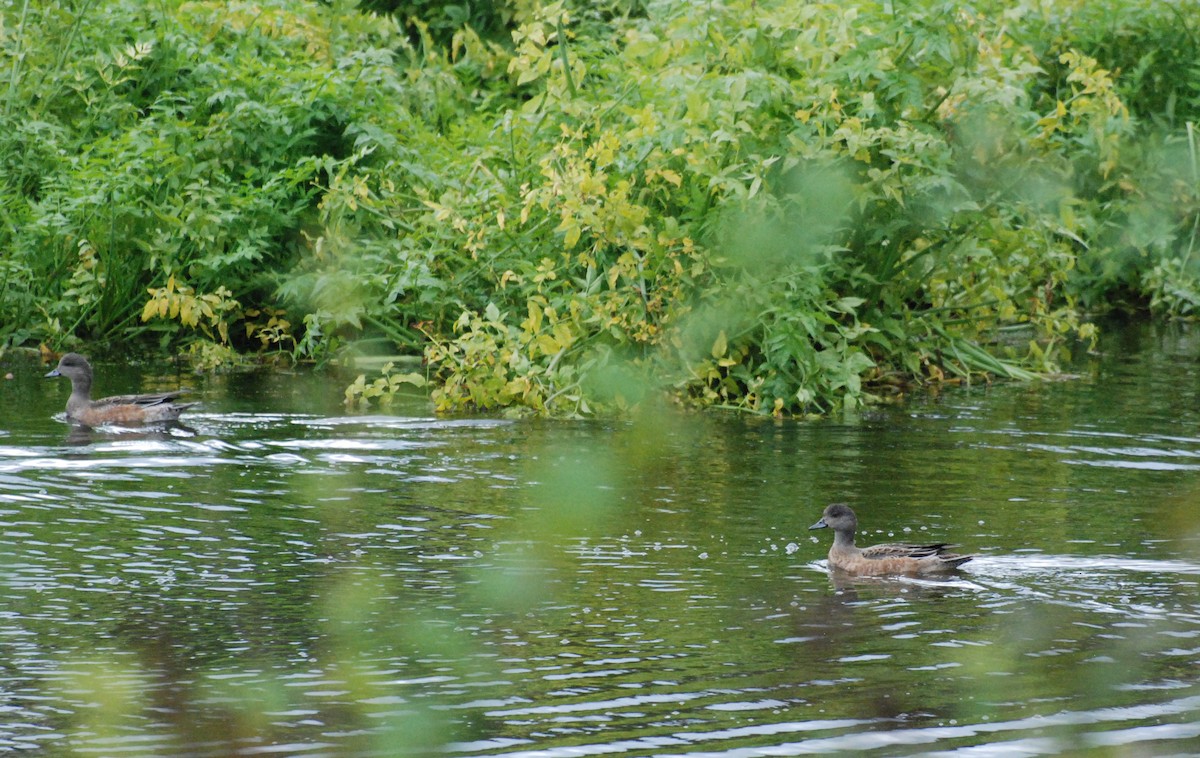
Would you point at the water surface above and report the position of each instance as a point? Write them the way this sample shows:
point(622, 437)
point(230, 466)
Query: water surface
point(281, 576)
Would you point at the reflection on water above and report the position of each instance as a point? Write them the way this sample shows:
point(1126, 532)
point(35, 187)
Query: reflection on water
point(279, 577)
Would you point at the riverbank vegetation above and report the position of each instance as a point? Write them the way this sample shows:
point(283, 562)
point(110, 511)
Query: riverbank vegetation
point(766, 205)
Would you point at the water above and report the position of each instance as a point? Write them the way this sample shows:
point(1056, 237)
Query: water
point(282, 577)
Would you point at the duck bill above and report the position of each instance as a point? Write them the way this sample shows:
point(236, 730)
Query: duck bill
point(53, 372)
point(819, 525)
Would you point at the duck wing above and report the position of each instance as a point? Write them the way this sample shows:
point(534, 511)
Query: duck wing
point(144, 400)
point(904, 550)
point(936, 554)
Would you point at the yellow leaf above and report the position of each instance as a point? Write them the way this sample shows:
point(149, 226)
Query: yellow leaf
point(414, 379)
point(614, 273)
point(535, 316)
point(593, 184)
point(547, 344)
point(563, 335)
point(187, 313)
point(720, 346)
point(571, 237)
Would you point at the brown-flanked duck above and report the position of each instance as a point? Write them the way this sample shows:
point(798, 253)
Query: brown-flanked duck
point(121, 409)
point(877, 560)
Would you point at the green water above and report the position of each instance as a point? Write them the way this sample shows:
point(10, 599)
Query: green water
point(281, 577)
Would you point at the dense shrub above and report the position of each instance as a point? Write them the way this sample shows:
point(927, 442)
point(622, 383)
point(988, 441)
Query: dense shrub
point(186, 148)
point(774, 206)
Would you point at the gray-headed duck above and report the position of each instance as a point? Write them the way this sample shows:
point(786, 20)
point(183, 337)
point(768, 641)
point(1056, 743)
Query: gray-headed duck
point(120, 409)
point(876, 560)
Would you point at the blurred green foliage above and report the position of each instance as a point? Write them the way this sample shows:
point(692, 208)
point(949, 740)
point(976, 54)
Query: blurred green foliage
point(568, 207)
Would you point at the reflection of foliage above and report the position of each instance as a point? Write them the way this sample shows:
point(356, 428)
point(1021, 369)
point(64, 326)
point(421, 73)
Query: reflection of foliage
point(790, 215)
point(383, 390)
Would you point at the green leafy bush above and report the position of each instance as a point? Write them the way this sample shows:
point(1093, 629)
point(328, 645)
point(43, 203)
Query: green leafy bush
point(765, 205)
point(192, 154)
point(773, 215)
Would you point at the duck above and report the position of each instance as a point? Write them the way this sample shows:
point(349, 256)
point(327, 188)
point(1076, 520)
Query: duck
point(879, 560)
point(119, 409)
